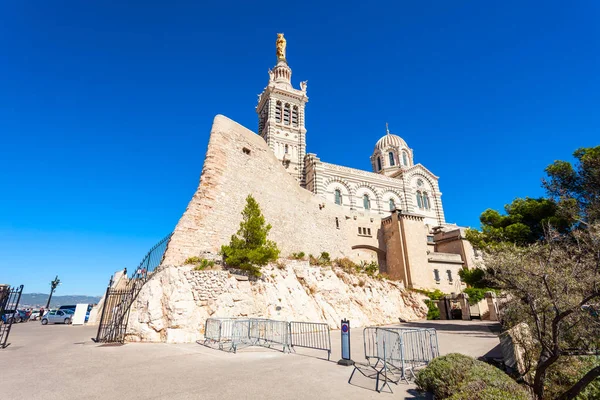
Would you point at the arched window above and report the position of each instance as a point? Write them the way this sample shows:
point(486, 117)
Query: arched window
point(278, 112)
point(419, 200)
point(426, 204)
point(366, 202)
point(286, 149)
point(378, 163)
point(391, 154)
point(392, 205)
point(295, 116)
point(338, 197)
point(286, 114)
point(404, 158)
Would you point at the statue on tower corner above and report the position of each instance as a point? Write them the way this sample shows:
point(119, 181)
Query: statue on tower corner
point(280, 44)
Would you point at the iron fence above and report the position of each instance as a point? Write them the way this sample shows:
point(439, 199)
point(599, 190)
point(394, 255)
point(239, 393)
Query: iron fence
point(396, 352)
point(9, 304)
point(312, 335)
point(117, 302)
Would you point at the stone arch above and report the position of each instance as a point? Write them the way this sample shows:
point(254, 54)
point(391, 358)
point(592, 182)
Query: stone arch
point(374, 196)
point(431, 190)
point(337, 183)
point(391, 193)
point(379, 254)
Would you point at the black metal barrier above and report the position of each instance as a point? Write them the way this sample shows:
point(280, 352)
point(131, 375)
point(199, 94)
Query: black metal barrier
point(9, 304)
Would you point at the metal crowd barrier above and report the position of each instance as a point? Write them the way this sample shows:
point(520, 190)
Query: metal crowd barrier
point(231, 334)
point(312, 335)
point(397, 351)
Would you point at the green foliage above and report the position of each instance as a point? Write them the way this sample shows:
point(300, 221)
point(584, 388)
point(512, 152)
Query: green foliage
point(193, 260)
point(566, 372)
point(436, 294)
point(250, 249)
point(524, 222)
point(200, 263)
point(576, 188)
point(298, 256)
point(370, 268)
point(322, 260)
point(204, 264)
point(433, 312)
point(459, 377)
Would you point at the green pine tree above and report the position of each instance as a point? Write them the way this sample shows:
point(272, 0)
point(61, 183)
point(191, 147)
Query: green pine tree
point(250, 249)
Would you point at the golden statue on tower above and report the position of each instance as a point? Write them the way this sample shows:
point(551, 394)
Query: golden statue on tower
point(280, 44)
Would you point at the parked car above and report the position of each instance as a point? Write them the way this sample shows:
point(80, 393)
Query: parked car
point(35, 315)
point(9, 316)
point(23, 316)
point(57, 317)
point(69, 307)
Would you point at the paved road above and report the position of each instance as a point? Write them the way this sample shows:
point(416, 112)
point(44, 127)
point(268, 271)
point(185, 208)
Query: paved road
point(61, 362)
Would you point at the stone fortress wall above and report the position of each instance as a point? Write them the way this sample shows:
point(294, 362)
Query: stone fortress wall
point(238, 163)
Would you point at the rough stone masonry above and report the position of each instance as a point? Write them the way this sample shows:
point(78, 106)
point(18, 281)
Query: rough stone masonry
point(174, 304)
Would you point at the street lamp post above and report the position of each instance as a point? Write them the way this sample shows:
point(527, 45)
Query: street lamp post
point(53, 285)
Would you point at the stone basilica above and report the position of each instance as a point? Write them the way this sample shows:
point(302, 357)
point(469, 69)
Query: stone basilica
point(396, 186)
point(397, 182)
point(392, 215)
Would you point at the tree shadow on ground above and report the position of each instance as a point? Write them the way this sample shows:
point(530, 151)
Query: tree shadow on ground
point(450, 326)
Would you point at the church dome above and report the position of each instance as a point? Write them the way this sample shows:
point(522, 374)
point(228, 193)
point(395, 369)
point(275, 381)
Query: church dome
point(390, 140)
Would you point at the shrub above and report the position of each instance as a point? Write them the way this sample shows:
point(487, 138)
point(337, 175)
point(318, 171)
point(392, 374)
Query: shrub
point(204, 264)
point(250, 249)
point(370, 268)
point(436, 294)
point(193, 260)
point(568, 371)
point(347, 265)
point(459, 377)
point(323, 259)
point(298, 256)
point(433, 312)
point(200, 263)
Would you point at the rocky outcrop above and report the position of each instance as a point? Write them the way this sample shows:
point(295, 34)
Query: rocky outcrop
point(173, 306)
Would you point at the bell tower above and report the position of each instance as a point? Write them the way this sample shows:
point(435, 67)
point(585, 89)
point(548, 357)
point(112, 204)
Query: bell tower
point(280, 112)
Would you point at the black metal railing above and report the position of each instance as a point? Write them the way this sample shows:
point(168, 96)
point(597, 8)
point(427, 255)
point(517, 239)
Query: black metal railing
point(9, 304)
point(118, 300)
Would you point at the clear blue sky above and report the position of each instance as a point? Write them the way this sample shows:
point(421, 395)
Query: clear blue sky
point(105, 108)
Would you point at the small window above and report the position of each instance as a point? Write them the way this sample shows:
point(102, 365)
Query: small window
point(337, 222)
point(449, 275)
point(404, 158)
point(426, 204)
point(419, 200)
point(378, 163)
point(391, 154)
point(278, 112)
point(359, 230)
point(295, 116)
point(366, 202)
point(338, 197)
point(430, 239)
point(392, 205)
point(369, 231)
point(436, 275)
point(286, 149)
point(286, 114)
